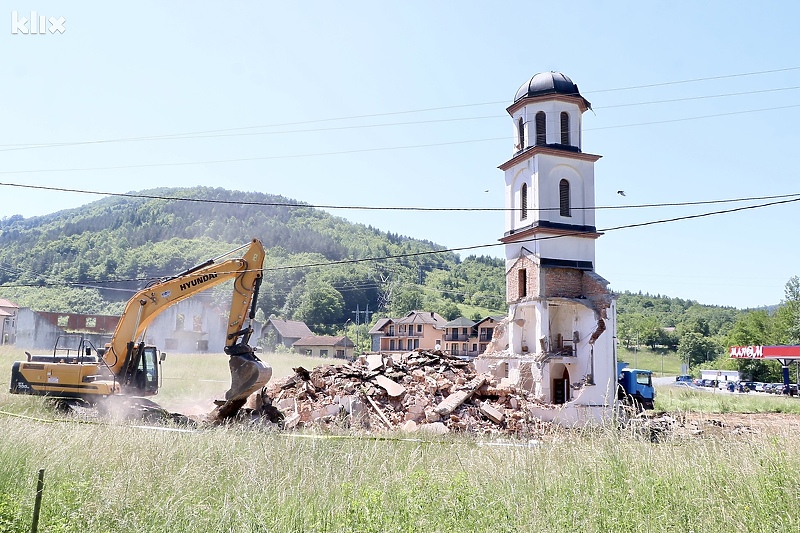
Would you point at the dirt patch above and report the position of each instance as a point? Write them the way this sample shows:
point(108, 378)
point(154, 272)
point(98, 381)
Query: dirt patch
point(660, 426)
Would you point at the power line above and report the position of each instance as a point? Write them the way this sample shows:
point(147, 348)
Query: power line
point(494, 244)
point(223, 132)
point(368, 150)
point(384, 208)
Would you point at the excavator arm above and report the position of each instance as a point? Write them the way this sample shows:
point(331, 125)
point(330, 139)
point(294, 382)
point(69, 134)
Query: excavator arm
point(248, 373)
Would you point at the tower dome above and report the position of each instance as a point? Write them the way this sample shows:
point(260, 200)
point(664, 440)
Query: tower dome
point(547, 83)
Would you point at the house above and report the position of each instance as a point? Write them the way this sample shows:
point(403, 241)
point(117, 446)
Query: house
point(286, 332)
point(8, 321)
point(417, 330)
point(483, 333)
point(457, 335)
point(325, 346)
point(426, 330)
point(558, 339)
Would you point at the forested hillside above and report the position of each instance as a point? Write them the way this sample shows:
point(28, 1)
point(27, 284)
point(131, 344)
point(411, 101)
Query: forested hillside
point(89, 259)
point(320, 268)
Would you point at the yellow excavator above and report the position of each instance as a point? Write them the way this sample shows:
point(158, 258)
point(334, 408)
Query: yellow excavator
point(129, 367)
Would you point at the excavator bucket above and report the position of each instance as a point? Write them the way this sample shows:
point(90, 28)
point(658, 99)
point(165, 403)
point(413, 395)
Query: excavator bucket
point(248, 374)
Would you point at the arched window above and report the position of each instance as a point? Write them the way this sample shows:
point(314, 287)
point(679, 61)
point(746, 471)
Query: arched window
point(564, 128)
point(563, 194)
point(521, 127)
point(541, 128)
point(523, 201)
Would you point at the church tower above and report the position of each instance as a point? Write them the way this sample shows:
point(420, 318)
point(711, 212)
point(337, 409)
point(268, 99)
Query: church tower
point(562, 318)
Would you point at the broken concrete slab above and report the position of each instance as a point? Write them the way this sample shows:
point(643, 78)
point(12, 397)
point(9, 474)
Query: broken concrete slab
point(374, 361)
point(449, 404)
point(493, 414)
point(393, 389)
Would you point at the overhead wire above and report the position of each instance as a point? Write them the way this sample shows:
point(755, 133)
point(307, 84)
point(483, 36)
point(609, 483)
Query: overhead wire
point(221, 132)
point(422, 253)
point(384, 208)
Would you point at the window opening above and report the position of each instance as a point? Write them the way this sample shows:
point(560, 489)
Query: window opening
point(564, 128)
point(541, 128)
point(563, 193)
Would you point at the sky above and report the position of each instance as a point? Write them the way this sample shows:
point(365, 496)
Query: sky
point(379, 104)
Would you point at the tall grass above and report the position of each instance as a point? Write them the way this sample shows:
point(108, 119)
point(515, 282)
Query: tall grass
point(123, 478)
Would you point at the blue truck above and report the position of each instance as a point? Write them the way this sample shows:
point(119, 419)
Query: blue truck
point(635, 387)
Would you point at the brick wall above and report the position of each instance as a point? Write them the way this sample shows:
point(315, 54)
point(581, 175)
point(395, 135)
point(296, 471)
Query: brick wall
point(513, 277)
point(563, 282)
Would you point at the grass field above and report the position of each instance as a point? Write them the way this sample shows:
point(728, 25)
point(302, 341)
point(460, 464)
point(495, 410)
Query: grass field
point(662, 363)
point(124, 478)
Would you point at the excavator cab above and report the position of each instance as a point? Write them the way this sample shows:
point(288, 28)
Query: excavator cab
point(145, 378)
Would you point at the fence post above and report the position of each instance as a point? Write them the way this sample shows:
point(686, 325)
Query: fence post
point(38, 503)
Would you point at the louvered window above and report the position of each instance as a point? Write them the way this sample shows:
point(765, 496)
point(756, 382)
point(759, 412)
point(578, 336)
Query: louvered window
point(564, 128)
point(521, 127)
point(523, 201)
point(563, 193)
point(541, 128)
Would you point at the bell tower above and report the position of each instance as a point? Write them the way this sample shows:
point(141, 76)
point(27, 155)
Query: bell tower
point(549, 183)
point(559, 336)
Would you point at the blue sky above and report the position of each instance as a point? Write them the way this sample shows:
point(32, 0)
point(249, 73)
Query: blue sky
point(276, 89)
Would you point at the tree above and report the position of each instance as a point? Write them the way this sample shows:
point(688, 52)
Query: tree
point(695, 349)
point(788, 315)
point(321, 307)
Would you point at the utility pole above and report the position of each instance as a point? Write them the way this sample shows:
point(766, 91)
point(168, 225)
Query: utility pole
point(358, 312)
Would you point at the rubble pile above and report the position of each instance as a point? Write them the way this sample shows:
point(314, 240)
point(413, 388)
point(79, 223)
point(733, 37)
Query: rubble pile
point(416, 391)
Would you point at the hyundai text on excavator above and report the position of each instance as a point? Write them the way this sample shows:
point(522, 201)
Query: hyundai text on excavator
point(129, 367)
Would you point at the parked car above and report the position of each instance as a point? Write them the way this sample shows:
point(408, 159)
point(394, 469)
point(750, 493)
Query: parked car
point(685, 378)
point(749, 386)
point(760, 386)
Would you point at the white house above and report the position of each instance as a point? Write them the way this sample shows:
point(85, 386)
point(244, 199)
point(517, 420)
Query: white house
point(558, 339)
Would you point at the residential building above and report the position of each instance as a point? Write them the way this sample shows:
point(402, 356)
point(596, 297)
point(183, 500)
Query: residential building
point(458, 333)
point(286, 332)
point(325, 346)
point(417, 330)
point(429, 331)
point(8, 321)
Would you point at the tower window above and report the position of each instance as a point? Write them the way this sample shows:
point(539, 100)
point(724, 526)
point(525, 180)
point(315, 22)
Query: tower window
point(563, 194)
point(523, 201)
point(522, 280)
point(541, 128)
point(521, 128)
point(564, 128)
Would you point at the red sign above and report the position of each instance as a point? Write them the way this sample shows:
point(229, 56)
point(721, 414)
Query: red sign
point(765, 352)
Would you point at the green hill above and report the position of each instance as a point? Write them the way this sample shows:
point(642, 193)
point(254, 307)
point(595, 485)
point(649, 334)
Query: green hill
point(89, 259)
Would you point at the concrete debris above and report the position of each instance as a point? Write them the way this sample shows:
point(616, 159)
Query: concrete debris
point(427, 391)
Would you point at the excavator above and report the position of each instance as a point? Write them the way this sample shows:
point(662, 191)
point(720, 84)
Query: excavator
point(129, 367)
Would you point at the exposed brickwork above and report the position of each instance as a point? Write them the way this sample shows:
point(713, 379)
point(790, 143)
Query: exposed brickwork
point(563, 283)
point(595, 288)
point(513, 277)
